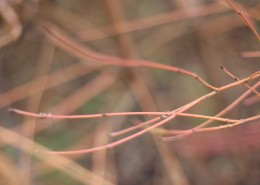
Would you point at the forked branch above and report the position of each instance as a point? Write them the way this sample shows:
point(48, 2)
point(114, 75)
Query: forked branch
point(168, 116)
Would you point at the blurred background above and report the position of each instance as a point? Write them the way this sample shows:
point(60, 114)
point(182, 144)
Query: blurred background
point(38, 75)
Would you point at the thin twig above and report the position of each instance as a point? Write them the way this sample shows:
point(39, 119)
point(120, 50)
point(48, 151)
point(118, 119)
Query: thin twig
point(152, 21)
point(236, 79)
point(244, 18)
point(145, 130)
point(252, 100)
point(186, 133)
point(251, 54)
point(48, 115)
point(65, 42)
point(13, 28)
point(217, 128)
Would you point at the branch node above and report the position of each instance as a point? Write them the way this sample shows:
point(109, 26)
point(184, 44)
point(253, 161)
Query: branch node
point(216, 90)
point(242, 120)
point(196, 76)
point(164, 116)
point(44, 115)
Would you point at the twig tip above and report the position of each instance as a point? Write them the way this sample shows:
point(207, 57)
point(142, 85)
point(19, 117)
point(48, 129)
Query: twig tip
point(111, 135)
point(11, 110)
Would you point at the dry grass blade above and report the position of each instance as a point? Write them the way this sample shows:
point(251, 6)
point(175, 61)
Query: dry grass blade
point(7, 172)
point(135, 25)
point(252, 100)
point(61, 163)
point(18, 93)
point(14, 28)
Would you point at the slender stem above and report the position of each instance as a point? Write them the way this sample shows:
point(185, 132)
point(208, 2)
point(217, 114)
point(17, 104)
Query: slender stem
point(244, 18)
point(221, 113)
point(49, 115)
point(68, 44)
point(236, 79)
point(134, 127)
point(250, 54)
point(141, 125)
point(126, 139)
point(217, 128)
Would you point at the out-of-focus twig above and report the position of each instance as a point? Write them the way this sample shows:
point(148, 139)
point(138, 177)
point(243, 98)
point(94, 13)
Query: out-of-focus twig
point(13, 27)
point(251, 54)
point(61, 163)
point(18, 93)
point(135, 25)
point(252, 100)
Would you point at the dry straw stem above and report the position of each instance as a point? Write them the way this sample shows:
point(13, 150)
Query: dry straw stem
point(244, 18)
point(153, 21)
point(21, 92)
point(13, 29)
point(252, 100)
point(170, 115)
point(97, 85)
point(8, 171)
point(78, 98)
point(61, 163)
point(33, 103)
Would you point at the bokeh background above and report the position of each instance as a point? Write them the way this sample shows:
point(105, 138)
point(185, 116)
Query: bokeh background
point(37, 75)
